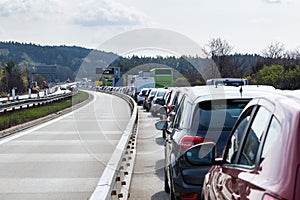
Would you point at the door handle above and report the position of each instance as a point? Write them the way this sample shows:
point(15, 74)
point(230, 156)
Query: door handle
point(219, 186)
point(236, 196)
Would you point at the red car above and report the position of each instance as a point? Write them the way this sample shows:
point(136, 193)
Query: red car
point(261, 160)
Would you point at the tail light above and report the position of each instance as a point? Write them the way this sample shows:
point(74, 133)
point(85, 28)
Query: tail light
point(140, 94)
point(189, 141)
point(169, 108)
point(188, 196)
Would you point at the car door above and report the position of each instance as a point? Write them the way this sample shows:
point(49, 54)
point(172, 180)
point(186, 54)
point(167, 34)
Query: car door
point(172, 130)
point(232, 180)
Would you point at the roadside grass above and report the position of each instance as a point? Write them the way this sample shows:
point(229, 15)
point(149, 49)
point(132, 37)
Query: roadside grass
point(17, 117)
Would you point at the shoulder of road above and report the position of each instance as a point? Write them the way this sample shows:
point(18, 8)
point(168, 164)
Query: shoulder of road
point(41, 120)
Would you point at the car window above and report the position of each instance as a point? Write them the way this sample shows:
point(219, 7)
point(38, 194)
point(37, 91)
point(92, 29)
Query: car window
point(153, 92)
point(254, 137)
point(161, 93)
point(272, 138)
point(236, 137)
point(178, 118)
point(217, 115)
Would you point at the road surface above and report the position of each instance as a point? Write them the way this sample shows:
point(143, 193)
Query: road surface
point(148, 174)
point(63, 158)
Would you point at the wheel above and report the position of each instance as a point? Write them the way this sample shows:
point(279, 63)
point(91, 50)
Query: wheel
point(172, 196)
point(164, 134)
point(166, 188)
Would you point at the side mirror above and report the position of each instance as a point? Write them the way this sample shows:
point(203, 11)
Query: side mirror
point(161, 125)
point(162, 112)
point(202, 154)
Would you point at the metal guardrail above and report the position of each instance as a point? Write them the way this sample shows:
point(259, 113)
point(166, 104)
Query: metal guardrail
point(116, 178)
point(27, 103)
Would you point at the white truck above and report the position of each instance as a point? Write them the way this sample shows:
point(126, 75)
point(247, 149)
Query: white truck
point(142, 82)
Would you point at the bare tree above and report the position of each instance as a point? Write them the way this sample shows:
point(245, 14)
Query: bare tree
point(274, 50)
point(219, 50)
point(217, 47)
point(295, 54)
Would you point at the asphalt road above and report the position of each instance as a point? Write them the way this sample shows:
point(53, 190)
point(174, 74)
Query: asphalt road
point(63, 158)
point(148, 174)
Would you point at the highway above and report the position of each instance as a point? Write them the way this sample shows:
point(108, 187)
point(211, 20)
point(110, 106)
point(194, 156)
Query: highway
point(63, 158)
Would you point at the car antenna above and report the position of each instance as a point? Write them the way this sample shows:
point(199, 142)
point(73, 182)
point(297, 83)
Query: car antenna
point(241, 91)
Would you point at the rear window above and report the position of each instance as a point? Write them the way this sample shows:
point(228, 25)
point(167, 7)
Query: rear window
point(217, 114)
point(144, 92)
point(153, 92)
point(161, 93)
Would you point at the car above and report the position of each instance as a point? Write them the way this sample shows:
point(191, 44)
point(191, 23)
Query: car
point(158, 101)
point(149, 99)
point(172, 100)
point(145, 99)
point(168, 111)
point(141, 96)
point(261, 159)
point(205, 113)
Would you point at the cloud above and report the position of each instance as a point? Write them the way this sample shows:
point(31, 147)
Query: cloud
point(108, 12)
point(273, 1)
point(89, 13)
point(29, 8)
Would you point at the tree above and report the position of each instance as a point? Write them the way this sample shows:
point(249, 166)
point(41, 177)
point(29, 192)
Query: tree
point(8, 71)
point(181, 82)
point(219, 50)
point(277, 76)
point(274, 50)
point(218, 47)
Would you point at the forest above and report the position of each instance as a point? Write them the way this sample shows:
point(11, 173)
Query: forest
point(274, 66)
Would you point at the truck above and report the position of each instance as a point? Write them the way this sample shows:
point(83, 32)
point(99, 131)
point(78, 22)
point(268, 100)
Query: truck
point(142, 82)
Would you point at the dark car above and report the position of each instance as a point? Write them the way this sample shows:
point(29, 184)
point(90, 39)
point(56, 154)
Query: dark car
point(205, 113)
point(172, 100)
point(149, 98)
point(142, 95)
point(261, 160)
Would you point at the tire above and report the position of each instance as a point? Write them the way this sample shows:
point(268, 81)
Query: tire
point(164, 134)
point(166, 187)
point(172, 196)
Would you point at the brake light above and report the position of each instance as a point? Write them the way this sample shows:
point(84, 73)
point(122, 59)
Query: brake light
point(188, 196)
point(169, 108)
point(189, 141)
point(140, 94)
point(268, 197)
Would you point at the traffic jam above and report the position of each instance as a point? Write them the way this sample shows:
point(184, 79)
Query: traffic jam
point(227, 140)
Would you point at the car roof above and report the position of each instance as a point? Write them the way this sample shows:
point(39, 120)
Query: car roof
point(211, 92)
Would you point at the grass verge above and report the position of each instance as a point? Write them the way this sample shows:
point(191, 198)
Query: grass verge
point(17, 117)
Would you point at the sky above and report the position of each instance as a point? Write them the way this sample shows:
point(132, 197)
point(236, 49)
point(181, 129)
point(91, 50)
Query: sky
point(247, 25)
